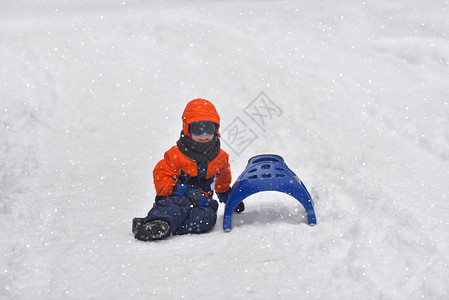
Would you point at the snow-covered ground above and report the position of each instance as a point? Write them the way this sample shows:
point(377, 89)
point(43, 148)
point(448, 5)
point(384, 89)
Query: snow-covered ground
point(91, 95)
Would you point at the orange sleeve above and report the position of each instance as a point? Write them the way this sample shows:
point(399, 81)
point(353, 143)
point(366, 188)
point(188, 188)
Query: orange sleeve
point(165, 174)
point(223, 179)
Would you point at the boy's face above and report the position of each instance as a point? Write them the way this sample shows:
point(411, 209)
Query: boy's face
point(203, 138)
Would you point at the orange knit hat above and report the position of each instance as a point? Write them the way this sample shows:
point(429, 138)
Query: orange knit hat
point(199, 110)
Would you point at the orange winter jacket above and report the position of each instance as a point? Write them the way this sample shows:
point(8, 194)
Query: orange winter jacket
point(175, 164)
point(168, 170)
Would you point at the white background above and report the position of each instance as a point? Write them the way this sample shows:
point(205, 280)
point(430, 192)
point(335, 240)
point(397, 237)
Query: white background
point(91, 96)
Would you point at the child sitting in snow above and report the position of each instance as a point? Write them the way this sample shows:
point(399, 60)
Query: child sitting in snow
point(186, 178)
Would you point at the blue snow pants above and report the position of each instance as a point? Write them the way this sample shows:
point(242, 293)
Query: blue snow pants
point(183, 218)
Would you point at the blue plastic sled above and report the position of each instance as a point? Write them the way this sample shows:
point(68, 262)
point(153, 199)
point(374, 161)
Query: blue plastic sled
point(267, 172)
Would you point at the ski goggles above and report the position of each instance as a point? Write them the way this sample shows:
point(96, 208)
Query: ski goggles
point(198, 128)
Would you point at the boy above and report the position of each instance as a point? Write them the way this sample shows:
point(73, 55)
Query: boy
point(186, 178)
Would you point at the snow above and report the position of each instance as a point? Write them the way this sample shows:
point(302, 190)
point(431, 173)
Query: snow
point(91, 97)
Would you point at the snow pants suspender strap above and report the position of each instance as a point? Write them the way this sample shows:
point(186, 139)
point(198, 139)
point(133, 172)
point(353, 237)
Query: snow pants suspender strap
point(202, 171)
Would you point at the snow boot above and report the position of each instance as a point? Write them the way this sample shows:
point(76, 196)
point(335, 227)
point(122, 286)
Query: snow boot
point(153, 230)
point(137, 222)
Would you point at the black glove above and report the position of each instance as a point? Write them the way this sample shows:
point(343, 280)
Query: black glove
point(223, 198)
point(196, 196)
point(240, 208)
